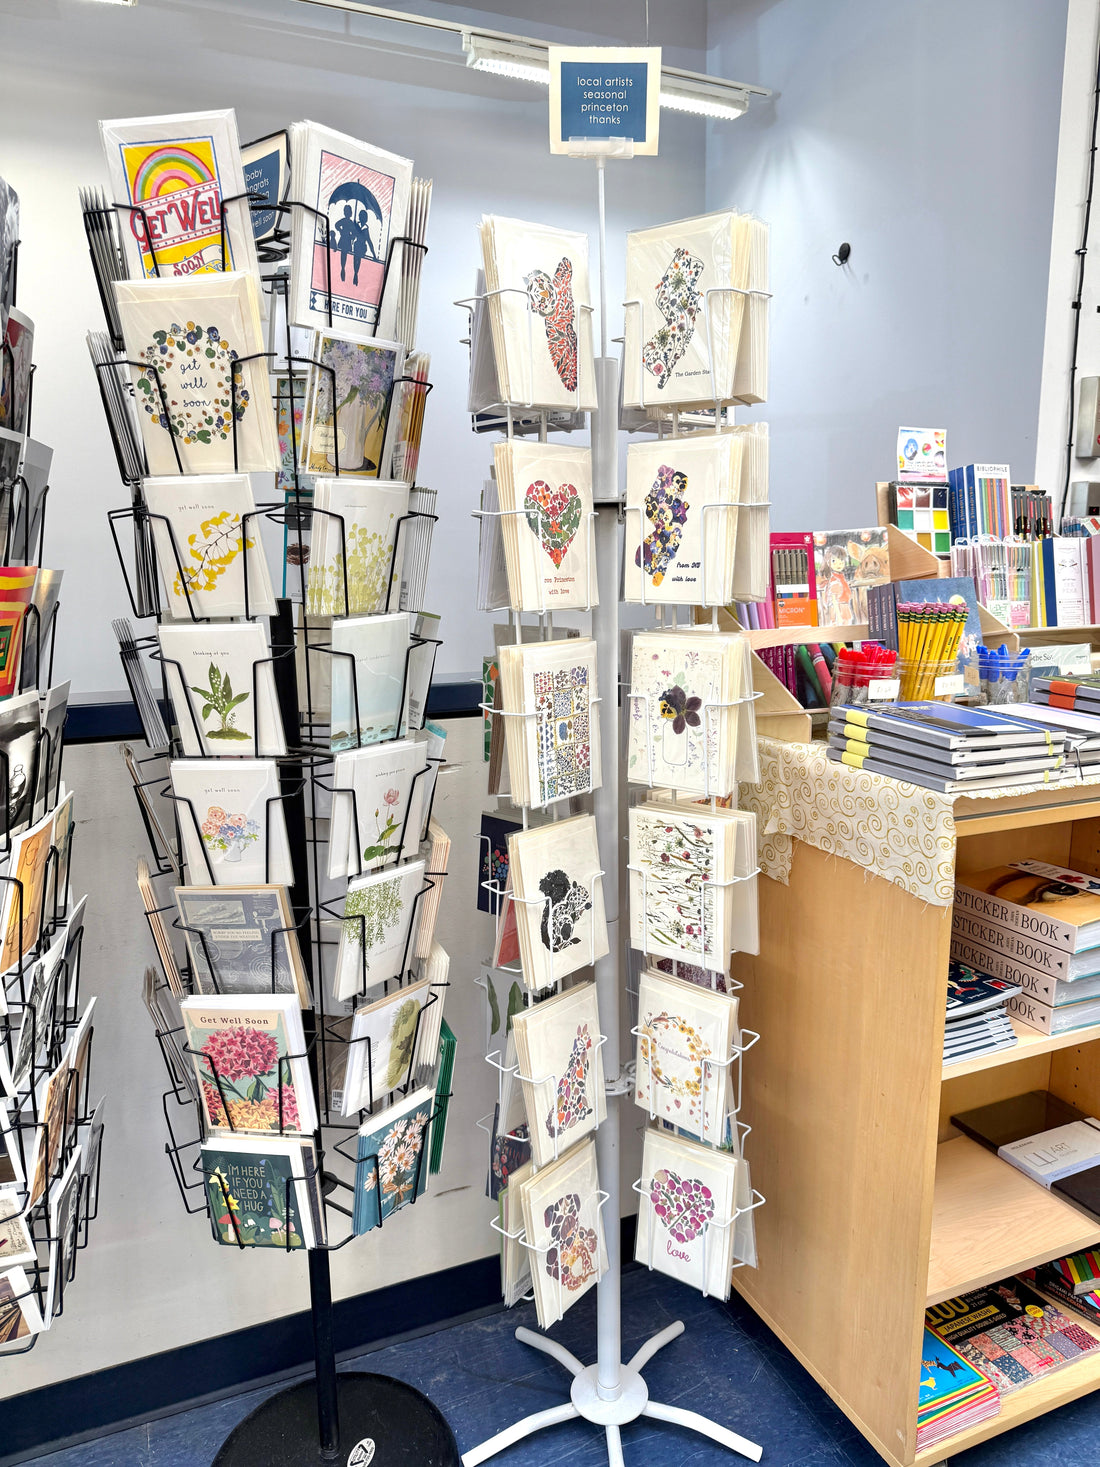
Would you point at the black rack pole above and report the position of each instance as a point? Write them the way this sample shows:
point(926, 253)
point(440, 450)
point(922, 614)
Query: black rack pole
point(291, 783)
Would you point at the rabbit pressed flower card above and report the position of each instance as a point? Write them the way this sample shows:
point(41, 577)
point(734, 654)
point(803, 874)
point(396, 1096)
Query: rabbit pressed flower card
point(560, 1069)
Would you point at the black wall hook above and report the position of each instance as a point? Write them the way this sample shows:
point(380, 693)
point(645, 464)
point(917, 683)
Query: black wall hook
point(841, 256)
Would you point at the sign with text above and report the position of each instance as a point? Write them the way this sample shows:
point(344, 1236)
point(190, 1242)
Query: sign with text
point(605, 94)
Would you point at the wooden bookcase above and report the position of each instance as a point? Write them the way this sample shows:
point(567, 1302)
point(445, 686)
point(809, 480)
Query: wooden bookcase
point(876, 1205)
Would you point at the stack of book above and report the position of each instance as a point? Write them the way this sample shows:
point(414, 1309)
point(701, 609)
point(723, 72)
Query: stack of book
point(1049, 1140)
point(1073, 1281)
point(943, 747)
point(954, 1393)
point(1074, 694)
point(1082, 730)
point(977, 1022)
point(1036, 926)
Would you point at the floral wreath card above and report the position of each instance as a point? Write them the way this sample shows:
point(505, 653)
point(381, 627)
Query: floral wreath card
point(172, 179)
point(385, 1044)
point(232, 822)
point(686, 1220)
point(377, 927)
point(545, 494)
point(391, 1168)
point(680, 733)
point(351, 422)
point(563, 1225)
point(376, 807)
point(540, 311)
point(199, 339)
point(685, 1037)
point(250, 1061)
point(558, 1049)
point(681, 533)
point(222, 685)
point(559, 904)
point(357, 544)
point(362, 195)
point(203, 543)
point(242, 939)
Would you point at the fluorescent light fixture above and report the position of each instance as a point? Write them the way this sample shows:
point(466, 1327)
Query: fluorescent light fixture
point(681, 91)
point(113, 2)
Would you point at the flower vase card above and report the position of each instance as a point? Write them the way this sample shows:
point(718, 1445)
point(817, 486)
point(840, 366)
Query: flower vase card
point(222, 685)
point(64, 1230)
point(546, 524)
point(540, 310)
point(249, 1056)
point(391, 1168)
point(232, 821)
point(16, 1243)
point(682, 729)
point(560, 1070)
point(369, 679)
point(355, 553)
point(20, 1316)
point(178, 186)
point(385, 1046)
point(681, 867)
point(242, 939)
point(351, 424)
point(564, 1229)
point(376, 807)
point(196, 352)
point(681, 520)
point(258, 1190)
point(557, 882)
point(207, 538)
point(345, 264)
point(377, 932)
point(686, 1218)
point(685, 307)
point(685, 1038)
point(552, 729)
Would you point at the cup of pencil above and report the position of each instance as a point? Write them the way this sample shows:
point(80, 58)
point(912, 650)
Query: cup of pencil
point(929, 636)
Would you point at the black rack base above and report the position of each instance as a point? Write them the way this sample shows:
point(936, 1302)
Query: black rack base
point(405, 1428)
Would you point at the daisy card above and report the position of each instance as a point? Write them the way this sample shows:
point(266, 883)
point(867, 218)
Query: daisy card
point(391, 1170)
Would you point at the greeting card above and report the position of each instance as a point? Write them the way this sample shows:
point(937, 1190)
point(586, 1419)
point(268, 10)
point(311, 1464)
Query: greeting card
point(17, 340)
point(242, 939)
point(515, 1259)
point(207, 538)
point(350, 422)
point(369, 679)
point(391, 1169)
point(222, 686)
point(200, 379)
point(356, 547)
point(232, 821)
point(377, 933)
point(561, 1070)
point(564, 1228)
point(249, 1056)
point(685, 1038)
point(386, 1045)
point(558, 897)
point(171, 178)
point(546, 524)
point(553, 748)
point(23, 753)
point(24, 896)
point(376, 806)
point(262, 1192)
point(536, 277)
point(20, 1316)
point(681, 527)
point(64, 1230)
point(16, 1243)
point(686, 1217)
point(339, 255)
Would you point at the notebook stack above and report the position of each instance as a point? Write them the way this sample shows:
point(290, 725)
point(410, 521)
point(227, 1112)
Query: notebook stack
point(1082, 731)
point(1049, 1140)
point(943, 747)
point(977, 1022)
point(1075, 694)
point(1036, 926)
point(954, 1393)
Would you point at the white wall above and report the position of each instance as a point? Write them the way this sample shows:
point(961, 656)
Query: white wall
point(924, 135)
point(483, 140)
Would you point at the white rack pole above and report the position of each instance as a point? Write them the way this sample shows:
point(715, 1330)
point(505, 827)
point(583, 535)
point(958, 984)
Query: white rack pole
point(605, 630)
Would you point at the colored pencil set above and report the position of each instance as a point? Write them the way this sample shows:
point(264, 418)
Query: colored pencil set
point(929, 634)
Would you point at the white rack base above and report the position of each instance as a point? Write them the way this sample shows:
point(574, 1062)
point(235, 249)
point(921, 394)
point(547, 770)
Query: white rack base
point(586, 1402)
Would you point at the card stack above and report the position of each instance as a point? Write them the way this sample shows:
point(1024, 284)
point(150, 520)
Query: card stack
point(977, 1021)
point(943, 747)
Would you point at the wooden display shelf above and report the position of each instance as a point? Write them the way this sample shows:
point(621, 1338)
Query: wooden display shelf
point(876, 1204)
point(1029, 1042)
point(990, 1221)
point(794, 636)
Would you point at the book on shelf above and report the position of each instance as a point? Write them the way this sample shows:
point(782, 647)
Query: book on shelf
point(976, 1021)
point(1004, 1121)
point(950, 727)
point(1050, 904)
point(1045, 962)
point(1055, 1019)
point(1049, 1156)
point(1051, 1280)
point(918, 775)
point(954, 1392)
point(1032, 982)
point(1010, 1333)
point(971, 990)
point(1082, 1188)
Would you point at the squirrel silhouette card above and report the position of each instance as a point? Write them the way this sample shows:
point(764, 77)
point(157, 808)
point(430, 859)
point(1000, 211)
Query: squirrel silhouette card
point(557, 891)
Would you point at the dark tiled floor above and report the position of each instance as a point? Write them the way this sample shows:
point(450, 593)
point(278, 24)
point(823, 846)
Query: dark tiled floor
point(727, 1364)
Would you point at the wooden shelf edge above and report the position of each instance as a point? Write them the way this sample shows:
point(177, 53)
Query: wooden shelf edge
point(1031, 1042)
